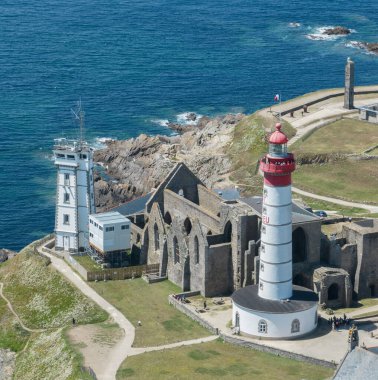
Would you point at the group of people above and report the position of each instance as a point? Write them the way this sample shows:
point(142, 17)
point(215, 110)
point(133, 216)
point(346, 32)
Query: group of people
point(336, 322)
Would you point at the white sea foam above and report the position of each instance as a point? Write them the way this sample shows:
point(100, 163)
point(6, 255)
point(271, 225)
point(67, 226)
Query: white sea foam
point(318, 34)
point(295, 24)
point(100, 142)
point(161, 122)
point(182, 118)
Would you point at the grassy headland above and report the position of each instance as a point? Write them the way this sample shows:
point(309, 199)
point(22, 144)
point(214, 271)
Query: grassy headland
point(249, 144)
point(42, 299)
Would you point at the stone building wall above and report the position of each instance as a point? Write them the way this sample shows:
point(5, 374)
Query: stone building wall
point(209, 200)
point(218, 278)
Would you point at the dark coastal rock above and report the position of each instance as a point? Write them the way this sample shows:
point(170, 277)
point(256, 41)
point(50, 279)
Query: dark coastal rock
point(180, 128)
point(6, 254)
point(371, 47)
point(138, 165)
point(191, 116)
point(337, 31)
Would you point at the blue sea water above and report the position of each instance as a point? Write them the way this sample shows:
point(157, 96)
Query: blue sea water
point(136, 62)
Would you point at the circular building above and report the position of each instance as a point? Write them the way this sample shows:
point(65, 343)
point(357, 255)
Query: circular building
point(275, 319)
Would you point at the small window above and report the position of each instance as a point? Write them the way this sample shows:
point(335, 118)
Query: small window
point(264, 210)
point(295, 326)
point(70, 157)
point(90, 221)
point(262, 267)
point(100, 228)
point(90, 234)
point(262, 248)
point(95, 224)
point(263, 327)
point(66, 179)
point(66, 198)
point(263, 229)
point(125, 227)
point(108, 229)
point(261, 286)
point(83, 156)
point(60, 155)
point(66, 219)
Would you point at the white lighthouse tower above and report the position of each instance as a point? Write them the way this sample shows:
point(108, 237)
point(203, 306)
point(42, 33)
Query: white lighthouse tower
point(74, 191)
point(275, 281)
point(275, 308)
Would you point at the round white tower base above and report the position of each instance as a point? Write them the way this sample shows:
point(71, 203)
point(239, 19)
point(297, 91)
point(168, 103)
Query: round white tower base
point(270, 319)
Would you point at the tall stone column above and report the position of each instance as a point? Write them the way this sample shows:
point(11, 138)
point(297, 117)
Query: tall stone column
point(349, 85)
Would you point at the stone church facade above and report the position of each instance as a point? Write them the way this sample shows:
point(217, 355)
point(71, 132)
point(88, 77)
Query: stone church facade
point(207, 242)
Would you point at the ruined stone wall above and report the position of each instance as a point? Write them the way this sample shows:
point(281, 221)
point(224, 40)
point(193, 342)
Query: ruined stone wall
point(177, 205)
point(218, 277)
point(209, 200)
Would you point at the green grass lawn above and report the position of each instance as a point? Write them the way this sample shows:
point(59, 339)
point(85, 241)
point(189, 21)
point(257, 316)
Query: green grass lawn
point(12, 335)
point(89, 264)
point(350, 180)
point(342, 136)
point(214, 360)
point(161, 323)
point(249, 143)
point(359, 305)
point(42, 297)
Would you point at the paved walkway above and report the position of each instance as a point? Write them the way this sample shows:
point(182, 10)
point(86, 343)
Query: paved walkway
point(335, 200)
point(123, 348)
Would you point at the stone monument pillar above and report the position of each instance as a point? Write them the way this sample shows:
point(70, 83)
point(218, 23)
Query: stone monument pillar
point(349, 85)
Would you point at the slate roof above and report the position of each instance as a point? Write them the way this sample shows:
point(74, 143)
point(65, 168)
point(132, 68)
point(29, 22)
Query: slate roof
point(359, 364)
point(300, 215)
point(133, 207)
point(302, 299)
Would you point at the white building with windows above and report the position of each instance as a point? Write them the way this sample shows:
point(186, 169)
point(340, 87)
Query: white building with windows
point(109, 232)
point(74, 194)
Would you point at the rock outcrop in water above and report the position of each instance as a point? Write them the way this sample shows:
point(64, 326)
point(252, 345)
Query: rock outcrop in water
point(371, 47)
point(140, 164)
point(337, 31)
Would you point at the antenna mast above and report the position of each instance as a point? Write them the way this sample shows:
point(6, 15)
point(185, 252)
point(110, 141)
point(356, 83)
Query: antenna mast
point(79, 115)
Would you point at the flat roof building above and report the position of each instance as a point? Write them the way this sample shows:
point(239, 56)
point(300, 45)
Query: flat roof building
point(109, 235)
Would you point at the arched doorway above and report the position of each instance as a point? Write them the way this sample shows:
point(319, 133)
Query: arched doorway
point(333, 292)
point(299, 245)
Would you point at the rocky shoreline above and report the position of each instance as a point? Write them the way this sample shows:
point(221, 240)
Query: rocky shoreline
point(138, 165)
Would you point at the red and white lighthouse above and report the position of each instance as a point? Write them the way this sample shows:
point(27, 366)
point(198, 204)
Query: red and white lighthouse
point(275, 274)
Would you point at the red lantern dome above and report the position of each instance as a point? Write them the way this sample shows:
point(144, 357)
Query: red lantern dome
point(278, 137)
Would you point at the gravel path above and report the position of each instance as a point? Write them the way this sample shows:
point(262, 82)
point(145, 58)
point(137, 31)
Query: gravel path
point(123, 348)
point(335, 200)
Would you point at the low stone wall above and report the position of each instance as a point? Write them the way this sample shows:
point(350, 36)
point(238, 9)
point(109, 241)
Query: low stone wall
point(122, 273)
point(277, 351)
point(323, 98)
point(182, 307)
